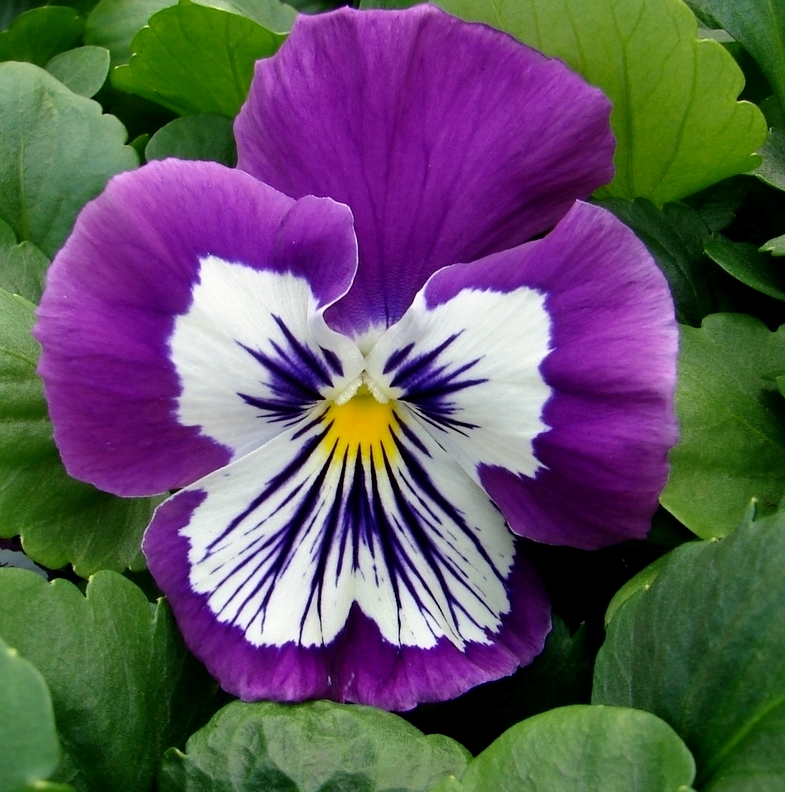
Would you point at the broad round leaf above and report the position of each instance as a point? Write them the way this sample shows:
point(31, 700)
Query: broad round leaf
point(703, 647)
point(60, 520)
point(123, 685)
point(732, 423)
point(196, 60)
point(313, 747)
point(83, 70)
point(199, 137)
point(40, 34)
point(677, 123)
point(57, 151)
point(582, 749)
point(29, 748)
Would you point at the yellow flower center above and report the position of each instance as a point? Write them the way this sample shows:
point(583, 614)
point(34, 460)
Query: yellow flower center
point(363, 425)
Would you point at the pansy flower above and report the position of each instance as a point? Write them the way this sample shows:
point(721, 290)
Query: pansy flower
point(357, 370)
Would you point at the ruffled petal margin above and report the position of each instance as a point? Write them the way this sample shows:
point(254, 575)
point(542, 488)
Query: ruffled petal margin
point(548, 372)
point(129, 272)
point(448, 140)
point(304, 570)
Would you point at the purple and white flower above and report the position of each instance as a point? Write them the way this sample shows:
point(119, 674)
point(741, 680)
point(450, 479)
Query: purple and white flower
point(357, 369)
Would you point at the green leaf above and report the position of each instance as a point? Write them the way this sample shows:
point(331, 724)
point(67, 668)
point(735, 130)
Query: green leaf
point(582, 749)
point(772, 169)
point(760, 26)
point(313, 747)
point(56, 153)
point(22, 267)
point(60, 520)
point(114, 23)
point(196, 60)
point(675, 236)
point(747, 264)
point(84, 69)
point(774, 246)
point(704, 649)
point(10, 9)
point(38, 35)
point(199, 137)
point(642, 580)
point(123, 685)
point(677, 123)
point(732, 421)
point(30, 749)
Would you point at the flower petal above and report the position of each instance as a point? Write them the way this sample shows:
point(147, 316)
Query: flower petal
point(547, 372)
point(448, 140)
point(128, 298)
point(382, 576)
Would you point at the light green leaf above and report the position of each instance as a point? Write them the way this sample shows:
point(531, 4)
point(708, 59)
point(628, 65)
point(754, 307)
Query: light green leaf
point(199, 137)
point(196, 60)
point(760, 27)
point(582, 749)
point(677, 123)
point(60, 520)
point(29, 748)
point(747, 264)
point(84, 69)
point(732, 423)
point(704, 649)
point(313, 747)
point(57, 151)
point(22, 267)
point(123, 685)
point(114, 23)
point(37, 35)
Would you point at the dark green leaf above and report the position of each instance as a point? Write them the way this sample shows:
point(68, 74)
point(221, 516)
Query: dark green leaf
point(675, 236)
point(313, 747)
point(56, 153)
point(559, 675)
point(732, 421)
point(29, 748)
point(582, 749)
point(60, 520)
point(750, 266)
point(196, 60)
point(677, 123)
point(84, 69)
point(123, 685)
point(199, 137)
point(22, 267)
point(40, 34)
point(772, 169)
point(760, 26)
point(642, 580)
point(703, 647)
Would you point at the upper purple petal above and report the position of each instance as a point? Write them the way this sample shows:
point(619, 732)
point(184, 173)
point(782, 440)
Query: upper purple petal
point(448, 140)
point(113, 294)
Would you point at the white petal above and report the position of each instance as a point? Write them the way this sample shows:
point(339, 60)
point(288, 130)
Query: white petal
point(470, 370)
point(253, 354)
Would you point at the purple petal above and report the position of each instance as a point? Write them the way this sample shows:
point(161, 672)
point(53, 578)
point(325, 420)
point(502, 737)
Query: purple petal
point(376, 573)
point(612, 371)
point(116, 289)
point(448, 140)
